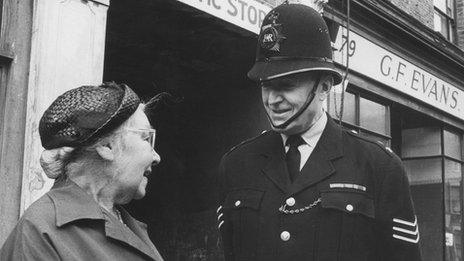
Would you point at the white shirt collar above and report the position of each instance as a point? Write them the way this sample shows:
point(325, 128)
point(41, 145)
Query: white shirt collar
point(312, 135)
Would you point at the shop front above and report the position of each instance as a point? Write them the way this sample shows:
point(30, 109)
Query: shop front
point(403, 89)
point(403, 94)
point(400, 91)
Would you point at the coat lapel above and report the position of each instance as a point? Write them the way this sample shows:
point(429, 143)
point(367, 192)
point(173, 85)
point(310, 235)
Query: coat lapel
point(274, 164)
point(140, 229)
point(115, 230)
point(319, 165)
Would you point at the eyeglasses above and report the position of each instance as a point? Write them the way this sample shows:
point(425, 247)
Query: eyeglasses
point(148, 134)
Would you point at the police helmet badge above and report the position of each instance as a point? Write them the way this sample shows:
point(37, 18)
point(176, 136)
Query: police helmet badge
point(271, 34)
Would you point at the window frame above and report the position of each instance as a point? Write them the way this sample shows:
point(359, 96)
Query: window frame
point(449, 18)
point(445, 199)
point(357, 126)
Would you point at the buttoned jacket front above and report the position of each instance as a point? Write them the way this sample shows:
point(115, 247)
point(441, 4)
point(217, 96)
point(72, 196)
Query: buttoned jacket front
point(67, 224)
point(351, 201)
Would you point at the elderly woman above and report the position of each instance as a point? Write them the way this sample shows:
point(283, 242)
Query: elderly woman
point(104, 146)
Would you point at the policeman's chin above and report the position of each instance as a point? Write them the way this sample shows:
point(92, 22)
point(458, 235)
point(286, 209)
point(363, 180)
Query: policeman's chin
point(288, 130)
point(294, 127)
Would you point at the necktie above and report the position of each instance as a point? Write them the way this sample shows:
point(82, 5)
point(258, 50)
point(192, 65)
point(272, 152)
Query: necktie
point(293, 156)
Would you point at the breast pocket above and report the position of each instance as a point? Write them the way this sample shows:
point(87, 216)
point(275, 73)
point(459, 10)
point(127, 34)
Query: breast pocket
point(349, 202)
point(348, 216)
point(243, 207)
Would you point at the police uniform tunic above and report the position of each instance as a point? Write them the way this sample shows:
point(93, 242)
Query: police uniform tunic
point(351, 201)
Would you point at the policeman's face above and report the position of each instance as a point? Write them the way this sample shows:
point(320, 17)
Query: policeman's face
point(285, 96)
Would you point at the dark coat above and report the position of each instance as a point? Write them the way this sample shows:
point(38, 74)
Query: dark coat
point(67, 224)
point(351, 202)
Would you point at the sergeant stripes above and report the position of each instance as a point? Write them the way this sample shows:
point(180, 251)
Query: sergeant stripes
point(405, 230)
point(219, 217)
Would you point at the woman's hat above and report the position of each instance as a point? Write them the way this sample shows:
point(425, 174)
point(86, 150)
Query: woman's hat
point(82, 115)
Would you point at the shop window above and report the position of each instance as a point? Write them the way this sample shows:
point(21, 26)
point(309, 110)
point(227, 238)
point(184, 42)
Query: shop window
point(453, 199)
point(433, 159)
point(443, 18)
point(451, 147)
point(349, 108)
point(373, 116)
point(367, 116)
point(423, 171)
point(420, 142)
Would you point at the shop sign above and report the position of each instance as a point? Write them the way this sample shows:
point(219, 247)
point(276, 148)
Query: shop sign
point(248, 14)
point(379, 64)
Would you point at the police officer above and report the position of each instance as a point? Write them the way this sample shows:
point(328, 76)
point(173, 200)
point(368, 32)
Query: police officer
point(307, 189)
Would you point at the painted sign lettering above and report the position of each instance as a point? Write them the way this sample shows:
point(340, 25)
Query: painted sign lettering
point(248, 14)
point(390, 69)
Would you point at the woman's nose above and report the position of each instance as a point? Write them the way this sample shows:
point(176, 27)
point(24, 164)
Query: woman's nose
point(156, 158)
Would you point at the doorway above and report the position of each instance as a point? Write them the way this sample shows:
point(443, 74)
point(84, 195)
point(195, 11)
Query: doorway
point(166, 46)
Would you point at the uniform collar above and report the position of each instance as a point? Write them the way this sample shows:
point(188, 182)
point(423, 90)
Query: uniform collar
point(328, 148)
point(73, 203)
point(312, 135)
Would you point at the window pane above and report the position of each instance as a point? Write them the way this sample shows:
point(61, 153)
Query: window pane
point(421, 142)
point(425, 176)
point(440, 4)
point(349, 107)
point(453, 213)
point(441, 24)
point(373, 116)
point(423, 171)
point(436, 21)
point(452, 31)
point(453, 144)
point(450, 8)
point(444, 26)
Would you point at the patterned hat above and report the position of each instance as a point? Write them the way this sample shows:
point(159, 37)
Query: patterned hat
point(82, 115)
point(294, 38)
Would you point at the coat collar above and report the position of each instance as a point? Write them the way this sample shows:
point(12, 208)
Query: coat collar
point(318, 167)
point(72, 204)
point(135, 234)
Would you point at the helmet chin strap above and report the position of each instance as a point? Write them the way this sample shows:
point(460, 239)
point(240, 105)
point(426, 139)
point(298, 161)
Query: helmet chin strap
point(309, 99)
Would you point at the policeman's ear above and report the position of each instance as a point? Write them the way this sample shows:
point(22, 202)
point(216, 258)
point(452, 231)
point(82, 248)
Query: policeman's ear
point(326, 84)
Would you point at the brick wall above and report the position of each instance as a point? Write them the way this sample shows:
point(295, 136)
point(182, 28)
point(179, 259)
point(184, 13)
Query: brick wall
point(460, 23)
point(422, 10)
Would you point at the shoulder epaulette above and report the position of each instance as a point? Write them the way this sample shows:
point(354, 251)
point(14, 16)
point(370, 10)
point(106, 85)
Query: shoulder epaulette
point(246, 141)
point(388, 150)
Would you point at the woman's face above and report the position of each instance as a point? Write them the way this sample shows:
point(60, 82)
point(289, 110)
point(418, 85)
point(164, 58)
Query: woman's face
point(135, 158)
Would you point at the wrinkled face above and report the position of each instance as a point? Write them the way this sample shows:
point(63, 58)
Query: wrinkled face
point(135, 158)
point(283, 97)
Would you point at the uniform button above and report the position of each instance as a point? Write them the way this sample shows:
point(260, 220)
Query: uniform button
point(237, 203)
point(285, 236)
point(349, 207)
point(290, 202)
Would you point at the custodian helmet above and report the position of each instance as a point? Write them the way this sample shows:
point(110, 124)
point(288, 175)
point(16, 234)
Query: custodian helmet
point(294, 38)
